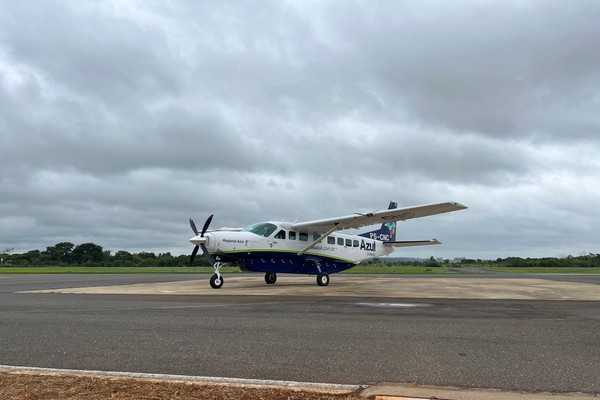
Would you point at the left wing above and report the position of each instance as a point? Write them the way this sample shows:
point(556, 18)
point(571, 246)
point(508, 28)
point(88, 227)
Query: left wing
point(377, 217)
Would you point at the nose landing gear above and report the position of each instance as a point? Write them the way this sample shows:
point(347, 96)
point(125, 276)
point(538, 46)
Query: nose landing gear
point(216, 281)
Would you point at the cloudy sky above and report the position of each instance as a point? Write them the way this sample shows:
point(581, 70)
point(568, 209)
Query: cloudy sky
point(121, 119)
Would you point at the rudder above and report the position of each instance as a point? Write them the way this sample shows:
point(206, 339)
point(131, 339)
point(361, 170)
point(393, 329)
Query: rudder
point(387, 232)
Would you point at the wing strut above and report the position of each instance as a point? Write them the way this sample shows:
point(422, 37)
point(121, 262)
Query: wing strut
point(319, 240)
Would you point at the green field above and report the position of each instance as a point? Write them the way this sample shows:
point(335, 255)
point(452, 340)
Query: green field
point(113, 270)
point(203, 270)
point(545, 270)
point(361, 269)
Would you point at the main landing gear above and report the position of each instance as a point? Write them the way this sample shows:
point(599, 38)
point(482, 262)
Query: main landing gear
point(322, 279)
point(270, 278)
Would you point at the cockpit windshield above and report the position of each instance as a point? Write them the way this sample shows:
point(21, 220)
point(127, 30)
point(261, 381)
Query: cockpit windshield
point(262, 229)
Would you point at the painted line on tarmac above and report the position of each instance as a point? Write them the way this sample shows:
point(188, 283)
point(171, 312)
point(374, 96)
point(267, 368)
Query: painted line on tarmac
point(187, 378)
point(394, 305)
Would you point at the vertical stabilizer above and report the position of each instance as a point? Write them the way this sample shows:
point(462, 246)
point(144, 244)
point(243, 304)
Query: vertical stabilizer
point(387, 232)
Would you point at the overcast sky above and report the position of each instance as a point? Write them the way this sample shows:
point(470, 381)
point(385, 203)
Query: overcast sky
point(121, 119)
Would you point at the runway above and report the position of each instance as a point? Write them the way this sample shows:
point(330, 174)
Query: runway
point(532, 333)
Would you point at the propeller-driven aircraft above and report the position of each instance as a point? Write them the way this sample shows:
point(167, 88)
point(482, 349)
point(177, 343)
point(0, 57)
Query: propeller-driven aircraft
point(312, 247)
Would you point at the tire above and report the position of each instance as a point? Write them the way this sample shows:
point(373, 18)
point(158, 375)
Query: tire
point(322, 279)
point(270, 278)
point(216, 282)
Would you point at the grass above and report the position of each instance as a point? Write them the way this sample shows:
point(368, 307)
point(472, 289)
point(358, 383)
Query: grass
point(360, 269)
point(113, 270)
point(545, 270)
point(19, 386)
point(204, 270)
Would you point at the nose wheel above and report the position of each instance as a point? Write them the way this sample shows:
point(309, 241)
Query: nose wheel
point(216, 281)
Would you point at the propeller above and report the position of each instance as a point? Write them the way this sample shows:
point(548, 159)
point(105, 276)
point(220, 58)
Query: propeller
point(197, 247)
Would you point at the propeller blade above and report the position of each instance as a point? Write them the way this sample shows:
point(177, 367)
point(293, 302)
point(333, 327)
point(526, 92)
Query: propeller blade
point(206, 224)
point(193, 225)
point(207, 255)
point(194, 254)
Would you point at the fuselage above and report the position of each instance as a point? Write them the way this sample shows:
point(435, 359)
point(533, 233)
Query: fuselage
point(275, 247)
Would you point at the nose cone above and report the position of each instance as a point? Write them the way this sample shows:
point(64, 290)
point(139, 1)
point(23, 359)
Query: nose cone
point(198, 240)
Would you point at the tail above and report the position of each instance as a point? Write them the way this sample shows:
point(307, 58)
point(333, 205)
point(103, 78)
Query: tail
point(387, 232)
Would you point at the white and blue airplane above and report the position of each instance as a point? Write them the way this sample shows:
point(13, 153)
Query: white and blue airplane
point(312, 247)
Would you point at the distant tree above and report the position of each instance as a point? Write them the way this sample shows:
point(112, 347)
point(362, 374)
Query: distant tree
point(144, 254)
point(7, 251)
point(432, 263)
point(87, 252)
point(122, 255)
point(33, 257)
point(60, 253)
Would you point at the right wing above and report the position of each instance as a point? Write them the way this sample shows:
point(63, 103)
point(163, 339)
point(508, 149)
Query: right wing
point(376, 217)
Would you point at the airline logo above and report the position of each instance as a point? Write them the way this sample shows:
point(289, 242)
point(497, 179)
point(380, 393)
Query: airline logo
point(367, 246)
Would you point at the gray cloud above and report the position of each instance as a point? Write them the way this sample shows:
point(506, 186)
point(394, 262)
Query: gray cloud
point(119, 120)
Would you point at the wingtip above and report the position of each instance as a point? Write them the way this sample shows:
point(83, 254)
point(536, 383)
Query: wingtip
point(458, 205)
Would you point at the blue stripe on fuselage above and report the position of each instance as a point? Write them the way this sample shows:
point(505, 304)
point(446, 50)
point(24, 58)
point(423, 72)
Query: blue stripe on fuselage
point(286, 262)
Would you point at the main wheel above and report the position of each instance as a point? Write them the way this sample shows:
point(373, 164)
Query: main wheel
point(216, 281)
point(270, 278)
point(322, 279)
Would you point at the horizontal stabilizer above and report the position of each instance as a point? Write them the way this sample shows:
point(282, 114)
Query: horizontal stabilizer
point(408, 243)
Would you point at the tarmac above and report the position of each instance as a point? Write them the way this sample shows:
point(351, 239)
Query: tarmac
point(373, 291)
point(363, 286)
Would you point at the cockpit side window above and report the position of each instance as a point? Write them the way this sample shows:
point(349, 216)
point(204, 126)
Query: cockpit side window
point(264, 229)
point(280, 234)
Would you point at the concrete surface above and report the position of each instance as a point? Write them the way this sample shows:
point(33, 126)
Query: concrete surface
point(446, 287)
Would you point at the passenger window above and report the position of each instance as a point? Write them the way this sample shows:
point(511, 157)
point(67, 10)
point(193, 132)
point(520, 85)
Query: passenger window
point(316, 236)
point(304, 237)
point(330, 240)
point(355, 243)
point(349, 242)
point(292, 235)
point(280, 234)
point(340, 241)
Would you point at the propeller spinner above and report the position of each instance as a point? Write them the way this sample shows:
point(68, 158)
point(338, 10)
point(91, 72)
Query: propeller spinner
point(197, 247)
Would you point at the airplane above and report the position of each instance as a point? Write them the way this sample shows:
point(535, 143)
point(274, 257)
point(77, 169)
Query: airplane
point(311, 247)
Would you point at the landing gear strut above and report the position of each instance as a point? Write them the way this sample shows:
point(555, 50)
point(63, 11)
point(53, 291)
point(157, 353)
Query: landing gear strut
point(270, 278)
point(216, 281)
point(322, 279)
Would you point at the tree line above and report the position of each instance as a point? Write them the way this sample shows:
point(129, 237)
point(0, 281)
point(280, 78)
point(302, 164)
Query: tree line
point(93, 255)
point(590, 260)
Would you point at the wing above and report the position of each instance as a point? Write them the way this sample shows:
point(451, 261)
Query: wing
point(407, 243)
point(377, 217)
